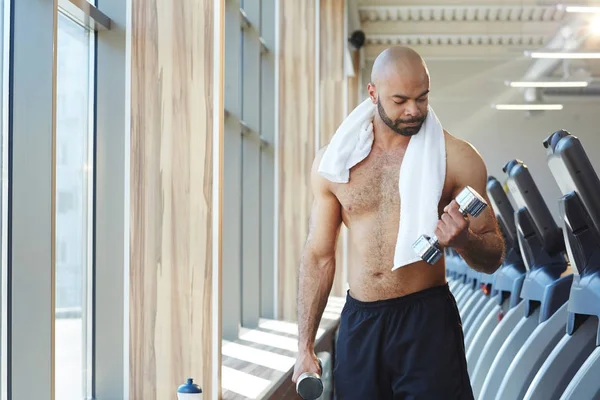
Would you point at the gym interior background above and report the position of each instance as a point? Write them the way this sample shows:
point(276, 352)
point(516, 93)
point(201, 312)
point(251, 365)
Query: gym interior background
point(155, 169)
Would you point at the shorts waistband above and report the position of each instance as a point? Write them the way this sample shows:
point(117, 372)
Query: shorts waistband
point(402, 301)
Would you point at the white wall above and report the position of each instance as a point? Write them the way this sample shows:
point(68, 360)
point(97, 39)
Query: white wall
point(462, 95)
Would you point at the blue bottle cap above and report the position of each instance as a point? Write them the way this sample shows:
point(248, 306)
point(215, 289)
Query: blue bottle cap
point(189, 387)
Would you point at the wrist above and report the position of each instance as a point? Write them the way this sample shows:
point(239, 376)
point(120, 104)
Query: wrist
point(464, 244)
point(306, 347)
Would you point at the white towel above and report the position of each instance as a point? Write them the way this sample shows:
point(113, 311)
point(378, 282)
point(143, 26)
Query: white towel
point(422, 173)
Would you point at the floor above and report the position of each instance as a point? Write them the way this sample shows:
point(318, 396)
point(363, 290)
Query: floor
point(252, 364)
point(264, 356)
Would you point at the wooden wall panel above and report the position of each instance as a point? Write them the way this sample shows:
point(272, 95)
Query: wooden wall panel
point(171, 330)
point(332, 105)
point(354, 82)
point(296, 142)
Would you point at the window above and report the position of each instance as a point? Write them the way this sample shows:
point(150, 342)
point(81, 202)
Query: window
point(74, 209)
point(248, 217)
point(67, 138)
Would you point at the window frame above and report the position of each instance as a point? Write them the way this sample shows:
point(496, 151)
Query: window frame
point(268, 129)
point(88, 284)
point(250, 219)
point(112, 204)
point(31, 238)
point(250, 63)
point(232, 204)
point(30, 264)
point(5, 25)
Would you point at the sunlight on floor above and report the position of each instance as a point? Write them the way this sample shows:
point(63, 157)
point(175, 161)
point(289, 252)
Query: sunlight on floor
point(259, 357)
point(242, 383)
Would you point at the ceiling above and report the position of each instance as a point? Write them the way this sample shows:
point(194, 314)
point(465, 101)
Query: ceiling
point(476, 29)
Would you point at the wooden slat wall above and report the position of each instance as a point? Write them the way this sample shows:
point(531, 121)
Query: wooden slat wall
point(299, 130)
point(296, 110)
point(171, 329)
point(332, 107)
point(354, 82)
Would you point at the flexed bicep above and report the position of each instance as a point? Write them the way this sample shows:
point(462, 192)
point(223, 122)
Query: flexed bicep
point(470, 170)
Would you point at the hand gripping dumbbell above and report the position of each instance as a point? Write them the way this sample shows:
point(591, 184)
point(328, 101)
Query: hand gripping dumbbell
point(309, 385)
point(469, 202)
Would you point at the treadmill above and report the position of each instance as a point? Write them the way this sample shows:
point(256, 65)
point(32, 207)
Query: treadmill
point(466, 304)
point(534, 353)
point(544, 290)
point(452, 270)
point(572, 369)
point(486, 294)
point(508, 278)
point(468, 285)
point(455, 271)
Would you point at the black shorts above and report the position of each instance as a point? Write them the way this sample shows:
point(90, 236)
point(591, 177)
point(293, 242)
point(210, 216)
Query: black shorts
point(409, 348)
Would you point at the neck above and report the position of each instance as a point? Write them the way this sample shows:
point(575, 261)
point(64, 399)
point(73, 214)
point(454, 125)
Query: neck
point(386, 139)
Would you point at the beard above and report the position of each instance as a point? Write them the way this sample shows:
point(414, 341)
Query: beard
point(395, 125)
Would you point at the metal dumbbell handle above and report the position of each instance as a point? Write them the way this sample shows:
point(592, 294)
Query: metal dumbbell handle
point(434, 240)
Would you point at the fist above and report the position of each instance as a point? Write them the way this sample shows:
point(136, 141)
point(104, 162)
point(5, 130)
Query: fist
point(452, 229)
point(306, 362)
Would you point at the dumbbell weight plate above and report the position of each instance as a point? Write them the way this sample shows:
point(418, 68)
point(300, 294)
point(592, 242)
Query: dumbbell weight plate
point(426, 248)
point(309, 386)
point(470, 202)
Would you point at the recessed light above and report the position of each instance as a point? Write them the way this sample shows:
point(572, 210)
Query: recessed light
point(528, 107)
point(562, 55)
point(547, 84)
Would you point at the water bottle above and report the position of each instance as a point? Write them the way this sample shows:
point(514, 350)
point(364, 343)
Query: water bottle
point(189, 391)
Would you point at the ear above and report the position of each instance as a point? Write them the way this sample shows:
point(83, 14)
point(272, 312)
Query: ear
point(372, 92)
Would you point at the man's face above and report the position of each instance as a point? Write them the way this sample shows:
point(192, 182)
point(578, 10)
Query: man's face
point(402, 102)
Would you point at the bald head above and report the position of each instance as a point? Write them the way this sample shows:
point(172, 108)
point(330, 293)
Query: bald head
point(398, 60)
point(400, 87)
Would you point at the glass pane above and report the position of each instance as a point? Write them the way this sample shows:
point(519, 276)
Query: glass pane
point(4, 47)
point(74, 224)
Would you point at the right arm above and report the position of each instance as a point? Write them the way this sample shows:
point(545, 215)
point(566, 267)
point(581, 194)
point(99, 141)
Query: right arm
point(317, 266)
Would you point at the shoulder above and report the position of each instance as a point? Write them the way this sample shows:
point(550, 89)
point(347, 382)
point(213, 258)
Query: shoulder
point(319, 183)
point(319, 156)
point(458, 148)
point(461, 153)
point(465, 164)
point(317, 160)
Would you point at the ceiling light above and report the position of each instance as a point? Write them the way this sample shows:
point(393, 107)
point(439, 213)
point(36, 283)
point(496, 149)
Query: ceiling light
point(557, 84)
point(579, 9)
point(594, 26)
point(562, 55)
point(528, 107)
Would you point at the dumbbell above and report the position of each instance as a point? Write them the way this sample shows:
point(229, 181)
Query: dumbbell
point(309, 385)
point(469, 202)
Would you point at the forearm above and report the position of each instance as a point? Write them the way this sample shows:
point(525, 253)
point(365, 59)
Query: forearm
point(483, 252)
point(314, 285)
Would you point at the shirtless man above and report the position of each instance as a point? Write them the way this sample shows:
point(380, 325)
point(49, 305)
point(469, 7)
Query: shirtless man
point(400, 334)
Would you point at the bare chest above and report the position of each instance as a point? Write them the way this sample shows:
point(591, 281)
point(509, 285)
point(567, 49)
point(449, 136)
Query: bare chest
point(373, 186)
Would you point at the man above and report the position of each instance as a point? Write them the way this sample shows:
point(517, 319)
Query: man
point(400, 334)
